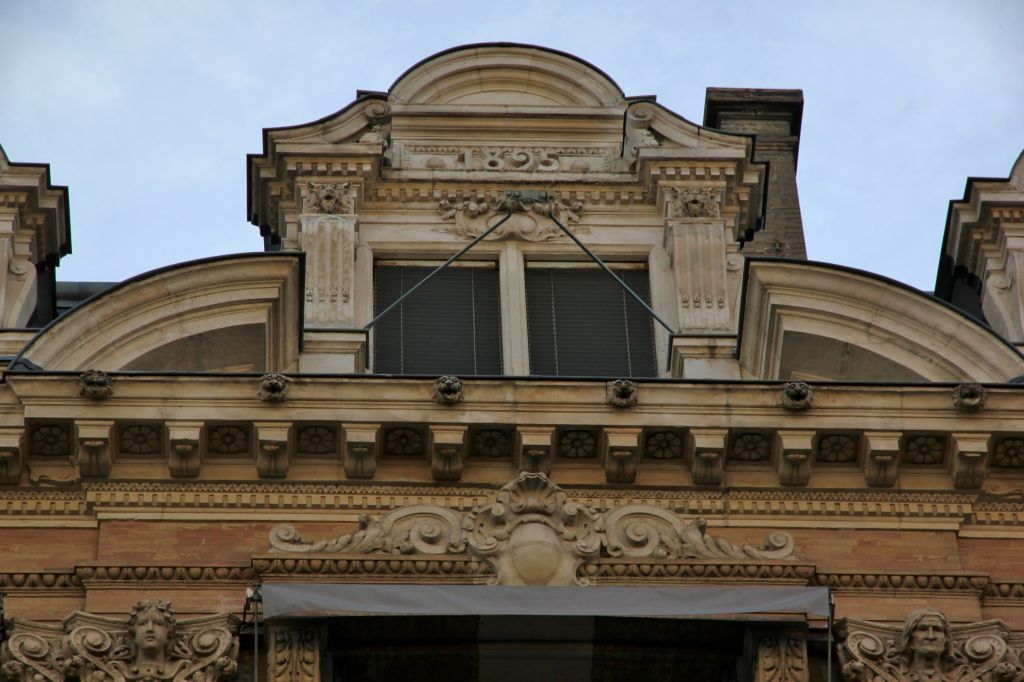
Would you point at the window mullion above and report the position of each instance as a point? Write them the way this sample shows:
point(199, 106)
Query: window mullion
point(516, 346)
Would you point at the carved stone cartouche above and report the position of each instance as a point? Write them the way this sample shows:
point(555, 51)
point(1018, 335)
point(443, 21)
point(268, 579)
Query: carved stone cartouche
point(150, 645)
point(928, 649)
point(533, 534)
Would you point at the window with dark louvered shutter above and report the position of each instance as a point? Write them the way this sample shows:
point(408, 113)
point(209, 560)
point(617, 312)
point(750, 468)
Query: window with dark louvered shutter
point(450, 325)
point(583, 323)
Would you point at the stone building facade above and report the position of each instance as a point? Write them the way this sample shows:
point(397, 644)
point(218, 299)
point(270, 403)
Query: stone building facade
point(630, 432)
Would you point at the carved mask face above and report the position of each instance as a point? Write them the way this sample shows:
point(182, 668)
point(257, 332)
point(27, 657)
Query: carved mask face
point(929, 637)
point(152, 633)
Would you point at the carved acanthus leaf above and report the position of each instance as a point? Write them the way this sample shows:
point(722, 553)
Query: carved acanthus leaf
point(693, 202)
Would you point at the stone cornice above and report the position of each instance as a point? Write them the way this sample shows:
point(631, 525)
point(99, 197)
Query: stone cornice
point(1004, 593)
point(372, 568)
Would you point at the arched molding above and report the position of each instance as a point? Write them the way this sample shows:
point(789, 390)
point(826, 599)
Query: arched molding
point(505, 73)
point(161, 307)
point(931, 339)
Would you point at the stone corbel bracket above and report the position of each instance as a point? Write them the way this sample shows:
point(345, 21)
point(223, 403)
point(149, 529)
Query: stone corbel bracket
point(620, 452)
point(184, 457)
point(794, 455)
point(272, 454)
point(360, 453)
point(11, 462)
point(534, 450)
point(94, 449)
point(447, 452)
point(705, 449)
point(880, 457)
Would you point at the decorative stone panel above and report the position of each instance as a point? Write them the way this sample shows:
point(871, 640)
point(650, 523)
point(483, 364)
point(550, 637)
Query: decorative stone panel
point(294, 654)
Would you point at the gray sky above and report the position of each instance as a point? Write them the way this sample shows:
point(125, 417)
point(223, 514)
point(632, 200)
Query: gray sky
point(146, 110)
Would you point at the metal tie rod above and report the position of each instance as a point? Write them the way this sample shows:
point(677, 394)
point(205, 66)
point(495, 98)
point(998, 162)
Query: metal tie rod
point(439, 268)
point(593, 257)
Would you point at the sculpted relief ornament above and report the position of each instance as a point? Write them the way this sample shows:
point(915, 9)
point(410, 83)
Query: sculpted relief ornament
point(533, 534)
point(529, 221)
point(928, 649)
point(149, 646)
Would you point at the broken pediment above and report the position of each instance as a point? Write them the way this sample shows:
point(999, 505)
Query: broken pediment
point(532, 533)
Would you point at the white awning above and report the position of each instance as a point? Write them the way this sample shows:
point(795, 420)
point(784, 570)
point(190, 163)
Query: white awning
point(318, 600)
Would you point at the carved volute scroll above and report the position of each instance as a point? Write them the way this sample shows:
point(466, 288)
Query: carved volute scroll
point(150, 645)
point(529, 221)
point(927, 648)
point(533, 534)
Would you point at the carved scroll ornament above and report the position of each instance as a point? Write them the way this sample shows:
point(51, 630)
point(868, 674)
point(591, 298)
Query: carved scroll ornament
point(532, 534)
point(926, 648)
point(148, 646)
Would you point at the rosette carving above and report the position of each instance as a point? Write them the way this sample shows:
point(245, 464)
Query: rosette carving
point(150, 645)
point(927, 647)
point(646, 531)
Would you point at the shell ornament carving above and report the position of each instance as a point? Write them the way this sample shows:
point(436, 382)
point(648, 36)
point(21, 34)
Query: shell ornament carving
point(927, 648)
point(150, 645)
point(533, 534)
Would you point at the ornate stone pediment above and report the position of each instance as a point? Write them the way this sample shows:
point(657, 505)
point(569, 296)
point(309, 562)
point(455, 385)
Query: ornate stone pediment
point(926, 648)
point(533, 534)
point(150, 645)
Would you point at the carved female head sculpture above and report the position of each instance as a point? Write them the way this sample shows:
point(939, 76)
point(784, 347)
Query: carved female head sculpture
point(152, 628)
point(926, 642)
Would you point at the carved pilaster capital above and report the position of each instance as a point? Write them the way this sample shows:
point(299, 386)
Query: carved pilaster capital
point(91, 647)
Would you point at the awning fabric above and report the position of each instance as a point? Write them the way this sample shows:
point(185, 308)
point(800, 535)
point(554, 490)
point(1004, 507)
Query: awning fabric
point(317, 600)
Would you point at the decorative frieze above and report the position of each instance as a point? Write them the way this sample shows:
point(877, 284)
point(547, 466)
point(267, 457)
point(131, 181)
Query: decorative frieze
point(507, 159)
point(663, 445)
point(928, 647)
point(533, 534)
point(150, 645)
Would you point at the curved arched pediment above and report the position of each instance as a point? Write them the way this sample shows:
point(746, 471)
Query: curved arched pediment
point(240, 312)
point(818, 321)
point(505, 74)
